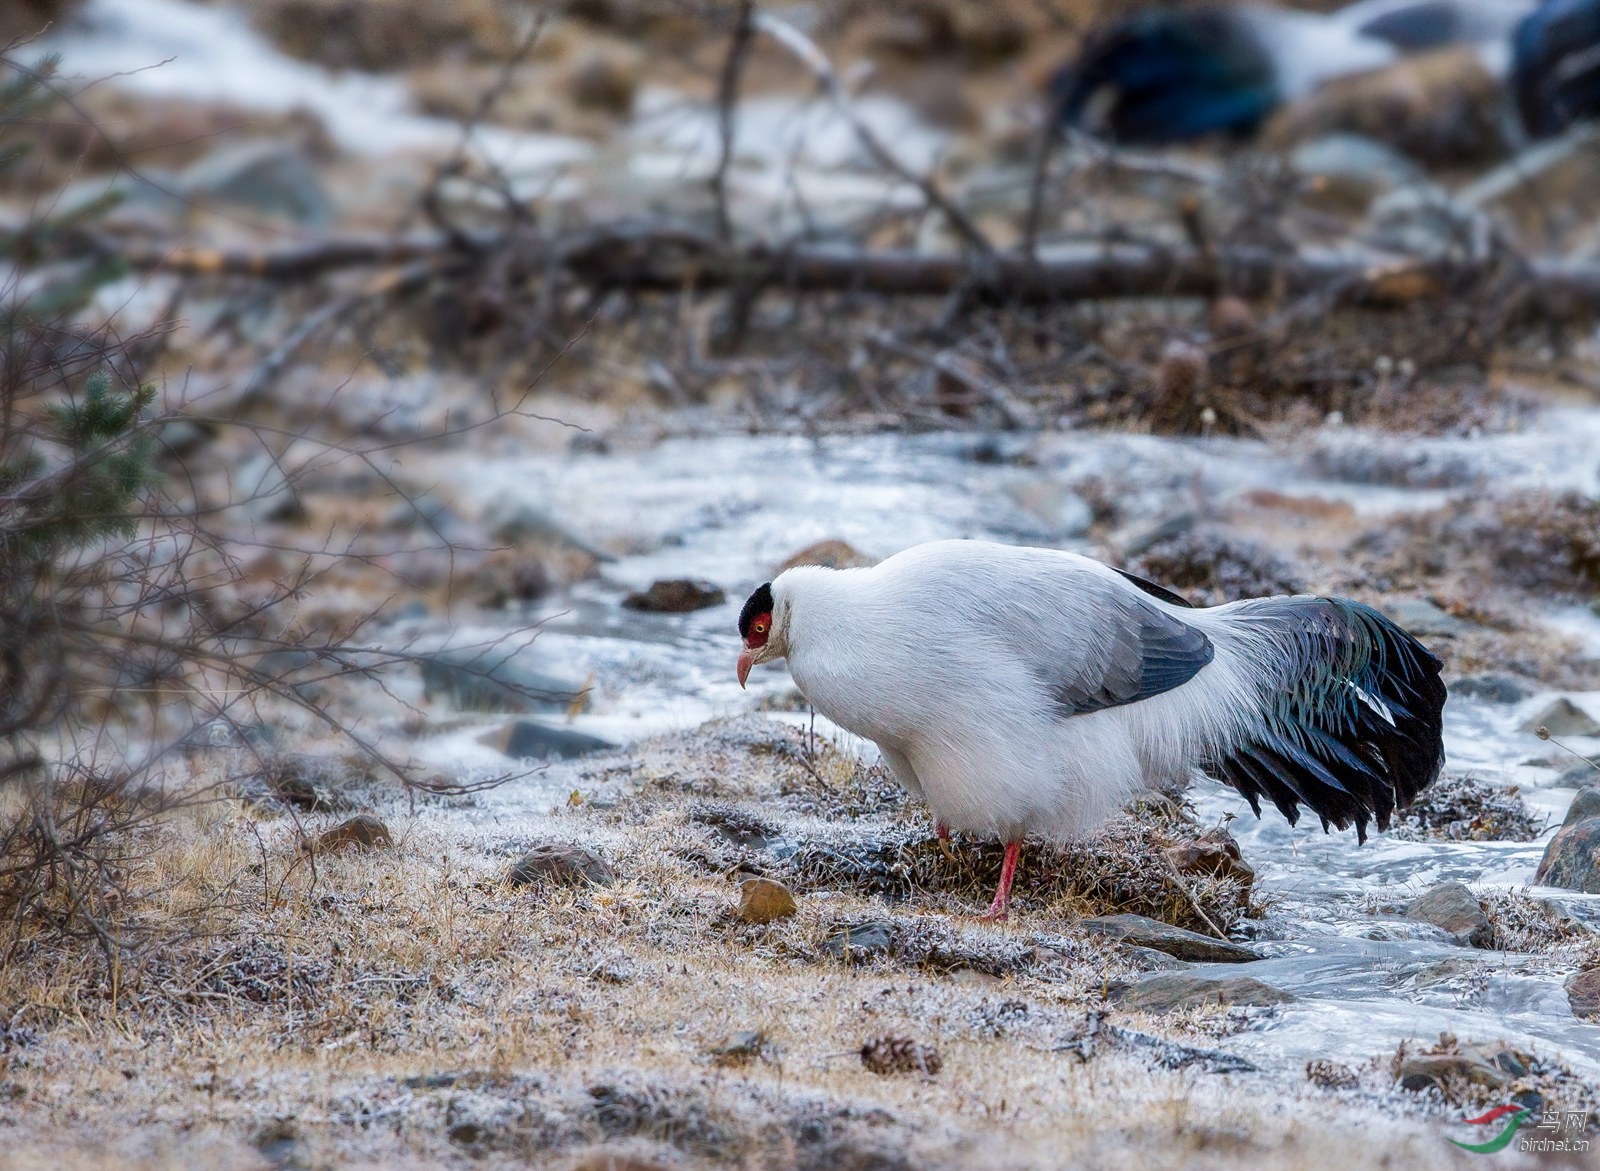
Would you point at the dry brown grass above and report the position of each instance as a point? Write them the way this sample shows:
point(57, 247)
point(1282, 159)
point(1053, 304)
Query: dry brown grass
point(405, 1007)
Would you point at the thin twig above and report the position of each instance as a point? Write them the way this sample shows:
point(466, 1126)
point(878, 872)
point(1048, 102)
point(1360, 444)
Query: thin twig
point(808, 54)
point(727, 98)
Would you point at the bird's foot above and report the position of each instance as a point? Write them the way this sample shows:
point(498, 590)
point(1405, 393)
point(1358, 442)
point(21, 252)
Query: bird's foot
point(998, 912)
point(942, 832)
point(999, 909)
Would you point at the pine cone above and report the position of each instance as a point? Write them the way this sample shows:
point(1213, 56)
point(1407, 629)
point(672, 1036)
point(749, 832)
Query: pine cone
point(889, 1054)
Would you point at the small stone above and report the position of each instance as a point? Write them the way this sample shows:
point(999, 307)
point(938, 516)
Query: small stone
point(1419, 1072)
point(361, 832)
point(560, 864)
point(1563, 718)
point(1572, 859)
point(831, 554)
point(1585, 804)
point(1175, 941)
point(1454, 908)
point(1173, 990)
point(676, 596)
point(860, 941)
point(1217, 853)
point(1490, 689)
point(761, 900)
point(1583, 993)
point(1331, 1075)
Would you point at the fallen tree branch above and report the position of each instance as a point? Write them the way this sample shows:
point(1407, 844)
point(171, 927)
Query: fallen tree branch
point(668, 257)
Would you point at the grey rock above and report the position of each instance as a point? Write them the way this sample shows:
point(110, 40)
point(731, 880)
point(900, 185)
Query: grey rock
point(1174, 990)
point(1585, 804)
point(528, 740)
point(493, 679)
point(1175, 941)
point(1455, 909)
point(1490, 689)
point(275, 178)
point(1580, 774)
point(1572, 858)
point(1420, 617)
point(860, 941)
point(1563, 718)
point(516, 522)
point(561, 864)
point(1151, 960)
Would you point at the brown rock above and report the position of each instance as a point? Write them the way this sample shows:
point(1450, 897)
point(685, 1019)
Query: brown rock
point(761, 900)
point(1583, 993)
point(676, 596)
point(1173, 990)
point(1572, 859)
point(361, 832)
point(1419, 1072)
point(561, 864)
point(1453, 908)
point(832, 554)
point(1216, 852)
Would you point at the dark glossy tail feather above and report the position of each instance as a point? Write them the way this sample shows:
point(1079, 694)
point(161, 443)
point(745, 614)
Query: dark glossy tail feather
point(1168, 75)
point(1555, 66)
point(1323, 740)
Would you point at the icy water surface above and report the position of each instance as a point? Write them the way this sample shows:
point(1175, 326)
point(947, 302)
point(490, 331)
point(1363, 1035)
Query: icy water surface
point(727, 509)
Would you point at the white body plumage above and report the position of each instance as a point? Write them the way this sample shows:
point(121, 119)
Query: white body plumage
point(1031, 692)
point(906, 654)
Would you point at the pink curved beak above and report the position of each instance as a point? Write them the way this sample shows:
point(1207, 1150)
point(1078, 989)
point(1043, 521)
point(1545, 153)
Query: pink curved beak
point(747, 659)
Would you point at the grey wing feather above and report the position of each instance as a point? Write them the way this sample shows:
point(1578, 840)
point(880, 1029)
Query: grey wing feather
point(1129, 651)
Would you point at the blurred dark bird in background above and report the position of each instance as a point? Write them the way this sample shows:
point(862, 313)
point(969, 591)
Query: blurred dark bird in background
point(1168, 75)
point(1555, 66)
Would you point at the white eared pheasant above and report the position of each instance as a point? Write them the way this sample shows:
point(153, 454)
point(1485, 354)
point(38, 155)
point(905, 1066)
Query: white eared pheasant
point(1031, 692)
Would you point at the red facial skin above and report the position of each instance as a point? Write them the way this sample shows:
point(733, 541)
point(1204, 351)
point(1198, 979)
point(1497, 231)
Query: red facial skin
point(759, 629)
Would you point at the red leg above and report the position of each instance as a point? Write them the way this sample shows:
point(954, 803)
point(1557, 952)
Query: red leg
point(943, 832)
point(1002, 895)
